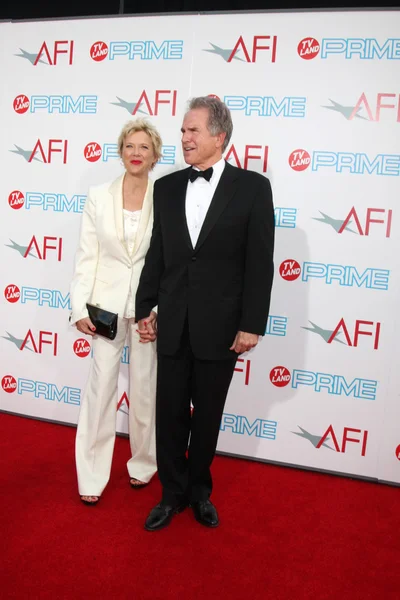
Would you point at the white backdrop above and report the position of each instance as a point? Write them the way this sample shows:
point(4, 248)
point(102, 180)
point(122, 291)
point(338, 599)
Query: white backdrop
point(316, 107)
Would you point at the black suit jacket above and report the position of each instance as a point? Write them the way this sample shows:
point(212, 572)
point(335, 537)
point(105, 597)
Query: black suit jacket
point(224, 283)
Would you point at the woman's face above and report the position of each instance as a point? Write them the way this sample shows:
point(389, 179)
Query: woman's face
point(138, 153)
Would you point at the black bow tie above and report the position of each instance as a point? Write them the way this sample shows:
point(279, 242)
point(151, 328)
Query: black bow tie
point(207, 174)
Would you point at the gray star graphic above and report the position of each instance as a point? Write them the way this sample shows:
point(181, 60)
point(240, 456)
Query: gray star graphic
point(129, 106)
point(223, 52)
point(26, 154)
point(30, 57)
point(324, 333)
point(18, 248)
point(346, 111)
point(314, 439)
point(15, 341)
point(335, 223)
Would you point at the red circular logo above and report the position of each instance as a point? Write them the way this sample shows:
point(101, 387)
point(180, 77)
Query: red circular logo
point(280, 376)
point(290, 269)
point(21, 104)
point(16, 199)
point(92, 151)
point(9, 384)
point(81, 347)
point(308, 48)
point(213, 96)
point(99, 51)
point(12, 293)
point(299, 160)
point(398, 452)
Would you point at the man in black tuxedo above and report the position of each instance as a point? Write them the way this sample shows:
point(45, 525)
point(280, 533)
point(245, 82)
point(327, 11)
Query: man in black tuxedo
point(209, 269)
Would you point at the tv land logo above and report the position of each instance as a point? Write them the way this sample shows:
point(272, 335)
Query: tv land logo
point(247, 50)
point(40, 296)
point(41, 390)
point(397, 453)
point(359, 48)
point(51, 53)
point(346, 224)
point(43, 151)
point(55, 104)
point(330, 437)
point(351, 334)
point(93, 152)
point(47, 201)
point(368, 110)
point(137, 50)
point(81, 347)
point(151, 101)
point(38, 345)
point(344, 275)
point(337, 385)
point(240, 424)
point(268, 106)
point(39, 247)
point(358, 163)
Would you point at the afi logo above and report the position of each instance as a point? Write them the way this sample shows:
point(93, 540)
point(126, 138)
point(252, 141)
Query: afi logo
point(257, 44)
point(299, 160)
point(92, 151)
point(124, 398)
point(98, 51)
point(377, 106)
point(290, 269)
point(9, 384)
point(245, 370)
point(330, 435)
point(341, 326)
point(81, 347)
point(41, 252)
point(280, 376)
point(308, 48)
point(16, 199)
point(158, 99)
point(52, 148)
point(52, 340)
point(251, 152)
point(12, 293)
point(50, 53)
point(347, 224)
point(21, 104)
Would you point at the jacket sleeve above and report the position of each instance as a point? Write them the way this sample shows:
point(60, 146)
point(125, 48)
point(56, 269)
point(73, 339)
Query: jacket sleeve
point(259, 266)
point(149, 283)
point(85, 262)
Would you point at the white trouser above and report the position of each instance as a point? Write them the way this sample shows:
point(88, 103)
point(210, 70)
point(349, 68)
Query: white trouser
point(95, 435)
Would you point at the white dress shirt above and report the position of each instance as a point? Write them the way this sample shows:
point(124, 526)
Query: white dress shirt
point(131, 225)
point(198, 199)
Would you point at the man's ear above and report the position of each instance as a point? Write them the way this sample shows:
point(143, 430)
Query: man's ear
point(220, 138)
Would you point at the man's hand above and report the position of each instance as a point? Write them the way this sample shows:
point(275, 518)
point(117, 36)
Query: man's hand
point(244, 342)
point(86, 326)
point(147, 328)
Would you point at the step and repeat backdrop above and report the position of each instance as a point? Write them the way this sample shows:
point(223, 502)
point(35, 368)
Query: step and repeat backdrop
point(315, 102)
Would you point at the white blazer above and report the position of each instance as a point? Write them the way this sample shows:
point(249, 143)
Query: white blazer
point(104, 269)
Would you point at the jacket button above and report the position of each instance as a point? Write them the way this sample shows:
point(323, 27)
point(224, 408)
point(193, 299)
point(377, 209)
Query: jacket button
point(129, 266)
point(194, 258)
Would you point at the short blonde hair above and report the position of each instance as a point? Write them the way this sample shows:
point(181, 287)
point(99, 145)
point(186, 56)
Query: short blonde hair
point(146, 127)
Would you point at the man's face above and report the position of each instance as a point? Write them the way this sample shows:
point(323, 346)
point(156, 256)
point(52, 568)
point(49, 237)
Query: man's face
point(200, 148)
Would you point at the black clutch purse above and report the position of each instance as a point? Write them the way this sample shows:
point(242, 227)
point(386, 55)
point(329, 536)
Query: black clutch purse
point(104, 321)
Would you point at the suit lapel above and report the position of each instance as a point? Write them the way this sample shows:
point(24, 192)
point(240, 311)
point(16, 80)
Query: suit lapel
point(147, 209)
point(223, 194)
point(115, 190)
point(180, 207)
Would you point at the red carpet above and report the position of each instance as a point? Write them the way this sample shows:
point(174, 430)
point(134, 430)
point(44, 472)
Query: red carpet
point(285, 534)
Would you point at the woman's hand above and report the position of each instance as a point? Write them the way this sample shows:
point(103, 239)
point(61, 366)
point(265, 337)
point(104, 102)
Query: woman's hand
point(147, 328)
point(86, 326)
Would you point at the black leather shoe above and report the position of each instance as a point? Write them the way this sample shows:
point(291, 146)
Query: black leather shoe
point(205, 513)
point(161, 515)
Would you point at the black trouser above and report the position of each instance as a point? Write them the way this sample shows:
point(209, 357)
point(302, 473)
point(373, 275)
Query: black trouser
point(183, 378)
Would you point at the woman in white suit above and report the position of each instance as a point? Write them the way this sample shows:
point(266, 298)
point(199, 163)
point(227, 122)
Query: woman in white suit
point(115, 235)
